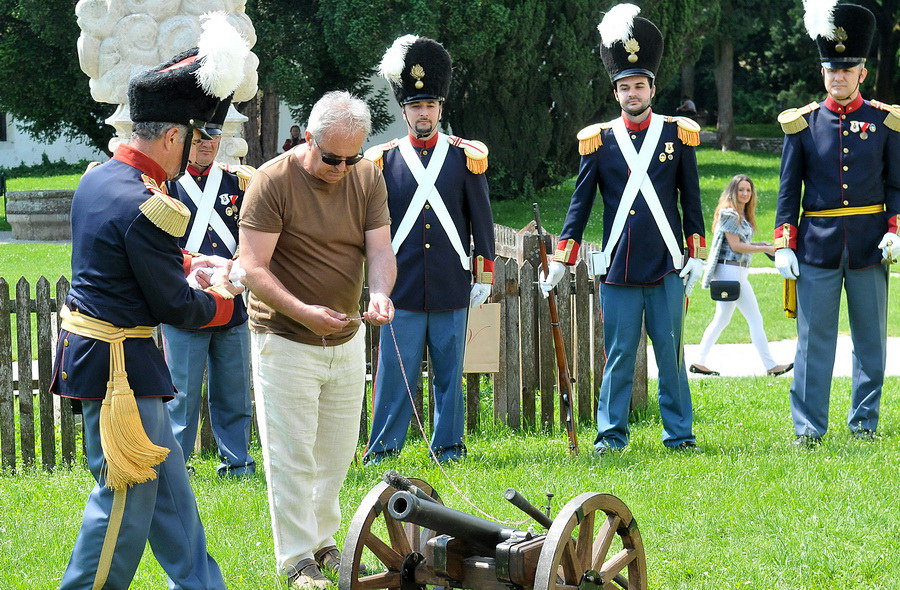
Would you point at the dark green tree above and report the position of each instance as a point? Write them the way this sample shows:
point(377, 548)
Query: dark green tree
point(41, 83)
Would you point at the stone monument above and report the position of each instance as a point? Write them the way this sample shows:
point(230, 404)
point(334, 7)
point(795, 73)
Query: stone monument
point(122, 37)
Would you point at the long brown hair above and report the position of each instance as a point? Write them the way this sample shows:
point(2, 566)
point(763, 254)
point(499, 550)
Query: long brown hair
point(728, 198)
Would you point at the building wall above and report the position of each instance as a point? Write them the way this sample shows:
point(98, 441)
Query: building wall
point(19, 148)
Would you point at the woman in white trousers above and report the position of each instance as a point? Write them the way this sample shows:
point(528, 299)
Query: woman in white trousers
point(733, 224)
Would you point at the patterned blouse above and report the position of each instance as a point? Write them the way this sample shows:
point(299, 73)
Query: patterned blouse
point(730, 223)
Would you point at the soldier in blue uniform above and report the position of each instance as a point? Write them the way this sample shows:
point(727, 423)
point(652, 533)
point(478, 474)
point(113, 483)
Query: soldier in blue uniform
point(836, 223)
point(439, 204)
point(215, 190)
point(645, 168)
point(128, 275)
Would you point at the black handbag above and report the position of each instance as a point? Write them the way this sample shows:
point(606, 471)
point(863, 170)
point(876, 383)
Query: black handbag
point(724, 290)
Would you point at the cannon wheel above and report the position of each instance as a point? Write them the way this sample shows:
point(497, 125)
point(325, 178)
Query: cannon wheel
point(403, 539)
point(578, 544)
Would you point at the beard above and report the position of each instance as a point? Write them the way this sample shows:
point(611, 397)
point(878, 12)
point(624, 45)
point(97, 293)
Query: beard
point(423, 128)
point(635, 109)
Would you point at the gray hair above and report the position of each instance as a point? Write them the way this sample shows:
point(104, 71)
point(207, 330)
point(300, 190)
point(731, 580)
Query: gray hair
point(339, 112)
point(153, 130)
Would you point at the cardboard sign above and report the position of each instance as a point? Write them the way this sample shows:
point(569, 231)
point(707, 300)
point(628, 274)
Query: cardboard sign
point(483, 339)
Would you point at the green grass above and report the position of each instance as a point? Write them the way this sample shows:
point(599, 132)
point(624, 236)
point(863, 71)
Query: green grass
point(750, 512)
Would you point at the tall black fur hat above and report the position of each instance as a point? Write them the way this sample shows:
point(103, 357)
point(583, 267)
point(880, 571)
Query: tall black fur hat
point(631, 45)
point(418, 69)
point(188, 88)
point(843, 32)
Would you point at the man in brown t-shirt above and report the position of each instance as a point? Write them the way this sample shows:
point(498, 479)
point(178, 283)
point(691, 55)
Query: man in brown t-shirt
point(309, 219)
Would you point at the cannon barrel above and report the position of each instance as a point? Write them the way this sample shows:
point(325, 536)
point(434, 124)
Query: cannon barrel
point(479, 533)
point(519, 501)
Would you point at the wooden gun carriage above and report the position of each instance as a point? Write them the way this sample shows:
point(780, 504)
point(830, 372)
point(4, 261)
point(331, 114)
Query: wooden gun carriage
point(592, 544)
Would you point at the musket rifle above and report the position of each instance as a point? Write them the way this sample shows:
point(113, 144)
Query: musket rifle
point(562, 365)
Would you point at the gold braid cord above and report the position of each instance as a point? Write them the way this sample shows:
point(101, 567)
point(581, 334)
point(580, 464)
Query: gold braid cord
point(168, 214)
point(793, 120)
point(130, 455)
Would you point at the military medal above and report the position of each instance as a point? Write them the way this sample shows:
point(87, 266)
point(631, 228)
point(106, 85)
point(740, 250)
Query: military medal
point(229, 211)
point(863, 134)
point(662, 157)
point(670, 147)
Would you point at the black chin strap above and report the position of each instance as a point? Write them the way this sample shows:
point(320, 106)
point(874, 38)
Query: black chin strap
point(185, 153)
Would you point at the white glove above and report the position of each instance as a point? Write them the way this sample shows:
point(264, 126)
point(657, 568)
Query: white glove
point(690, 274)
point(890, 247)
point(479, 294)
point(237, 273)
point(557, 272)
point(786, 263)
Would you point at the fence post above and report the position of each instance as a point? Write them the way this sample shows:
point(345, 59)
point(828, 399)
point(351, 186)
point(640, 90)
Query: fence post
point(66, 417)
point(45, 366)
point(26, 378)
point(501, 379)
point(7, 407)
point(528, 314)
point(510, 314)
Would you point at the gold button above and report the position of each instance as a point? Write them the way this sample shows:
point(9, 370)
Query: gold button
point(846, 168)
point(424, 152)
point(65, 375)
point(844, 185)
point(846, 202)
point(632, 211)
point(215, 245)
point(66, 342)
point(428, 206)
point(428, 245)
point(846, 132)
point(427, 226)
point(634, 137)
point(843, 116)
point(209, 228)
point(846, 150)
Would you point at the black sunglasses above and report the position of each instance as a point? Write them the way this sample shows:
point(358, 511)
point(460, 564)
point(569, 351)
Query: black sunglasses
point(333, 160)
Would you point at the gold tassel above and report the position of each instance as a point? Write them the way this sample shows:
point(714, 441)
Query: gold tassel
point(790, 298)
point(892, 121)
point(688, 136)
point(167, 214)
point(130, 454)
point(476, 166)
point(589, 145)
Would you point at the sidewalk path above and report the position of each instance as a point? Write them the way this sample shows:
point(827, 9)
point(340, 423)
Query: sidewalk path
point(741, 360)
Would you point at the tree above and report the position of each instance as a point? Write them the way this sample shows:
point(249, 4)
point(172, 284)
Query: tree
point(41, 83)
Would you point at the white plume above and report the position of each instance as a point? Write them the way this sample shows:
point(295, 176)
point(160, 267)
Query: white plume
point(818, 17)
point(222, 53)
point(391, 65)
point(616, 25)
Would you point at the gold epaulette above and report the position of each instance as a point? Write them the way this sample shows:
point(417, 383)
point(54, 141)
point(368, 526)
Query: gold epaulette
point(242, 171)
point(91, 166)
point(376, 152)
point(168, 214)
point(793, 121)
point(688, 130)
point(589, 140)
point(476, 153)
point(892, 120)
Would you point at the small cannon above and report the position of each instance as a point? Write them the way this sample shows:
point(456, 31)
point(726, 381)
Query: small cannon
point(592, 544)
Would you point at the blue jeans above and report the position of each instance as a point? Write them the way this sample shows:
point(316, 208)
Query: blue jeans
point(623, 308)
point(228, 391)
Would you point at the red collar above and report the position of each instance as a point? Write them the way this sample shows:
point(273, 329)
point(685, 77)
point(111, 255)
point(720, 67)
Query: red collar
point(138, 159)
point(836, 107)
point(192, 171)
point(427, 144)
point(633, 127)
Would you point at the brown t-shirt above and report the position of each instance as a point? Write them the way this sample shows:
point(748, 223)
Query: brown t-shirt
point(321, 247)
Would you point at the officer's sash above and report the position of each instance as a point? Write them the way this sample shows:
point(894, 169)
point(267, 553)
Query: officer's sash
point(427, 193)
point(206, 212)
point(639, 180)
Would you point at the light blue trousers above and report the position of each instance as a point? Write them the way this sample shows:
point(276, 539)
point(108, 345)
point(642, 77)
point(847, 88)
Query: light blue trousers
point(228, 391)
point(445, 335)
point(623, 309)
point(818, 307)
point(162, 511)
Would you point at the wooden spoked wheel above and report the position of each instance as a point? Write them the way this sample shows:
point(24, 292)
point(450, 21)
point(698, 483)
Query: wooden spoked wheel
point(389, 541)
point(593, 543)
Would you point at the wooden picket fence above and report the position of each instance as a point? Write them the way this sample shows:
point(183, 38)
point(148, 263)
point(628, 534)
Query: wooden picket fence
point(39, 425)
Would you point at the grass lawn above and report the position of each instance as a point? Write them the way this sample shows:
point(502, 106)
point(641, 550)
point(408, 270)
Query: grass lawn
point(749, 512)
